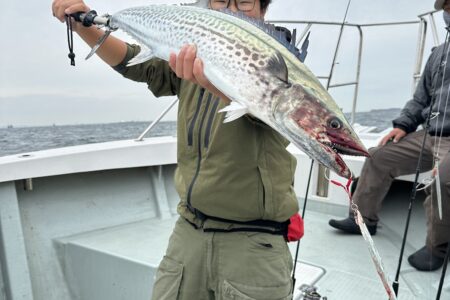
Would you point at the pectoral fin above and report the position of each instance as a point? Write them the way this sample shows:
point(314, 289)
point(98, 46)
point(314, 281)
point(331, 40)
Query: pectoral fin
point(143, 56)
point(277, 67)
point(234, 111)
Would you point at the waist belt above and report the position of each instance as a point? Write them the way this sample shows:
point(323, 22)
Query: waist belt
point(265, 226)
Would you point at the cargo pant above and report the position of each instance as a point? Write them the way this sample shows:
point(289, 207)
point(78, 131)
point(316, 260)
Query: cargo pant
point(202, 265)
point(396, 159)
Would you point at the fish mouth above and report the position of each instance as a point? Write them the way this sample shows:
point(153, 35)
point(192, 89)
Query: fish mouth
point(345, 146)
point(337, 146)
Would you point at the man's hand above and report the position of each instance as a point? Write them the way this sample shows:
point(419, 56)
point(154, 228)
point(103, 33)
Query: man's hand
point(395, 135)
point(62, 7)
point(189, 67)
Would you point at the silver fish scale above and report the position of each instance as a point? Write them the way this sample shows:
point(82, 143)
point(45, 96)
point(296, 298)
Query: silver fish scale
point(237, 71)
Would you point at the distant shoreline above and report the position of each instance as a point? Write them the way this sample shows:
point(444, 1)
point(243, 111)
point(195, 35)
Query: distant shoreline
point(5, 126)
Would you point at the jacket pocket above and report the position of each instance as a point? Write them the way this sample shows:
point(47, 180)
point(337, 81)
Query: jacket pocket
point(168, 280)
point(267, 201)
point(234, 291)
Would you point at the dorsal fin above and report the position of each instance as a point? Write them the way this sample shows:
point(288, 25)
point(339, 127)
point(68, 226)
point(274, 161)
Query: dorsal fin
point(304, 48)
point(277, 67)
point(277, 33)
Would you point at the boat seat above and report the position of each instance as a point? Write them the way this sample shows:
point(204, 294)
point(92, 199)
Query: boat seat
point(115, 263)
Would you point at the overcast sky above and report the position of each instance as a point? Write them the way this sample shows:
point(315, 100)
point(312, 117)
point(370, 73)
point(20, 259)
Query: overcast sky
point(39, 87)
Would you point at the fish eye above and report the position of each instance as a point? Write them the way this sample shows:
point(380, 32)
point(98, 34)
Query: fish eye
point(335, 123)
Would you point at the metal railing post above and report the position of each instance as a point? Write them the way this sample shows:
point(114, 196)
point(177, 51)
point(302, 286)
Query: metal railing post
point(358, 74)
point(156, 121)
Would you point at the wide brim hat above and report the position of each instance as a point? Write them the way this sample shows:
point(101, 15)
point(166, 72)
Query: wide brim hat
point(439, 4)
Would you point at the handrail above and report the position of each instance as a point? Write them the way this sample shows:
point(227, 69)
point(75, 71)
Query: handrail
point(156, 121)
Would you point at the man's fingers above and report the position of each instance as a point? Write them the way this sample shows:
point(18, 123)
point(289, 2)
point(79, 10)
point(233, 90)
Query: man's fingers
point(188, 63)
point(180, 61)
point(383, 141)
point(387, 138)
point(76, 8)
point(173, 62)
point(199, 75)
point(59, 12)
point(398, 137)
point(61, 7)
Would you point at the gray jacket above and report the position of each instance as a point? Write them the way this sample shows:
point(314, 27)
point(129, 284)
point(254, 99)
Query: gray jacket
point(430, 85)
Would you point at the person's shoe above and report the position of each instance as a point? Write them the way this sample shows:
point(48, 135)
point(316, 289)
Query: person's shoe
point(424, 260)
point(349, 226)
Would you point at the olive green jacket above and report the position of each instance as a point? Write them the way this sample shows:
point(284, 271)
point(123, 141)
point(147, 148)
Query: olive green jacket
point(236, 171)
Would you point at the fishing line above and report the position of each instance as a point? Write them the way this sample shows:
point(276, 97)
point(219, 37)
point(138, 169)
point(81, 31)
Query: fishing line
point(436, 157)
point(395, 284)
point(312, 160)
point(447, 255)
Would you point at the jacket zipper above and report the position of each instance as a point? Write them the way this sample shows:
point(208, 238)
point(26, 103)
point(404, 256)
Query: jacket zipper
point(210, 121)
point(194, 119)
point(194, 179)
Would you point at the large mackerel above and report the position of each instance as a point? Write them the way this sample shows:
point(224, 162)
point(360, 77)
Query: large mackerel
point(260, 75)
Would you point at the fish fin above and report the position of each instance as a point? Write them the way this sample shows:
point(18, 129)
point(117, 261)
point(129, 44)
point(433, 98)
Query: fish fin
point(198, 3)
point(304, 48)
point(277, 66)
point(234, 111)
point(143, 56)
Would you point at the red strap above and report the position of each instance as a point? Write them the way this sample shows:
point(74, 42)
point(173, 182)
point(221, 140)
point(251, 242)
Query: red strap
point(346, 187)
point(295, 228)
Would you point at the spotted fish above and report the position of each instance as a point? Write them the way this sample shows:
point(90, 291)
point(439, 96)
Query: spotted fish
point(259, 74)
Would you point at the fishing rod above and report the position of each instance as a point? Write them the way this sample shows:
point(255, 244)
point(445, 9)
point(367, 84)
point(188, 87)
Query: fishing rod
point(444, 270)
point(447, 255)
point(312, 161)
point(395, 284)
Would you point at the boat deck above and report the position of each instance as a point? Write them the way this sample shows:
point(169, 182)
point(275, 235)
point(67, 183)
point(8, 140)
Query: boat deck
point(82, 230)
point(349, 271)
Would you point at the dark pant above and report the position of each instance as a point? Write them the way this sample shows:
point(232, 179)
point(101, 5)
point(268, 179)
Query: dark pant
point(392, 160)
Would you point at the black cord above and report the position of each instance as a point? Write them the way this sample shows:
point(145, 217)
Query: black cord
point(70, 39)
point(395, 284)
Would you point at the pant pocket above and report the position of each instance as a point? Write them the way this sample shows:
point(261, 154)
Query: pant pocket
point(237, 291)
point(168, 280)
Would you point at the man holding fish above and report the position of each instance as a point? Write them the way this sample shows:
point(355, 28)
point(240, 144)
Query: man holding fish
point(234, 176)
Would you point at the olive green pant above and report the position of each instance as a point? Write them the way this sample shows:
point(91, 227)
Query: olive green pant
point(392, 160)
point(216, 265)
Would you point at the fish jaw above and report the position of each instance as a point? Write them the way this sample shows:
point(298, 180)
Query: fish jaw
point(322, 133)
